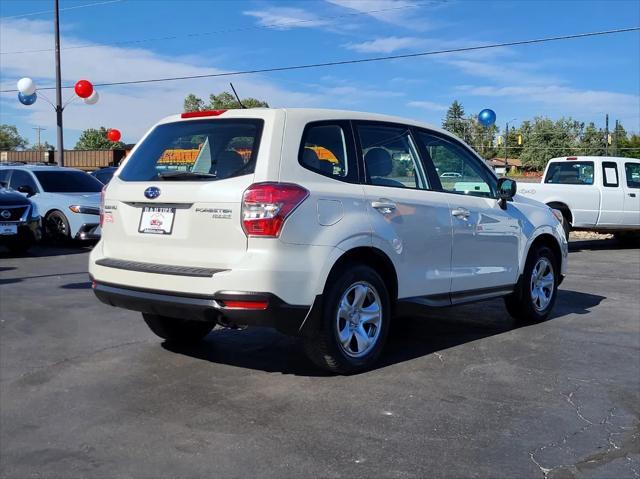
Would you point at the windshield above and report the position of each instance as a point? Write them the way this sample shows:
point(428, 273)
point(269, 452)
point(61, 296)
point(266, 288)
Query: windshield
point(202, 150)
point(570, 173)
point(68, 182)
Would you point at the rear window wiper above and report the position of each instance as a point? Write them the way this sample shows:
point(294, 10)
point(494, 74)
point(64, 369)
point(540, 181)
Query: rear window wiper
point(184, 175)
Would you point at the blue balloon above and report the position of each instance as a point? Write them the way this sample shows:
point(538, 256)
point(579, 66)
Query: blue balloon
point(28, 99)
point(487, 117)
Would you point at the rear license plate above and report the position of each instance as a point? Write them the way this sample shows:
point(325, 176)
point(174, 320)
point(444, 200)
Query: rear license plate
point(156, 220)
point(8, 229)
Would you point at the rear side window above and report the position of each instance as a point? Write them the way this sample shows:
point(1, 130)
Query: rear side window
point(22, 178)
point(67, 181)
point(570, 173)
point(202, 150)
point(390, 157)
point(633, 174)
point(324, 149)
point(610, 173)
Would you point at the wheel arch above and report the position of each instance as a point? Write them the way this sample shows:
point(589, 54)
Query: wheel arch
point(550, 241)
point(376, 259)
point(563, 207)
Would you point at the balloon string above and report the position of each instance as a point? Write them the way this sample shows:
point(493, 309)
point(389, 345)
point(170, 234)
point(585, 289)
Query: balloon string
point(70, 100)
point(43, 96)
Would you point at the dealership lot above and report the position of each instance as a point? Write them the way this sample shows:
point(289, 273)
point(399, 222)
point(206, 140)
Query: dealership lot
point(87, 391)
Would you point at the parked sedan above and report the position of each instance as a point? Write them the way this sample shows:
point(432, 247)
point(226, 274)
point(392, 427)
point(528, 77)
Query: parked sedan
point(68, 199)
point(20, 225)
point(105, 174)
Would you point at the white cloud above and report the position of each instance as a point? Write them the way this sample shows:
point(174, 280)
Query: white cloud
point(385, 45)
point(284, 18)
point(428, 105)
point(398, 12)
point(132, 109)
point(566, 100)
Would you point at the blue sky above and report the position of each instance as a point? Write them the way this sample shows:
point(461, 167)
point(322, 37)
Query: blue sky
point(583, 78)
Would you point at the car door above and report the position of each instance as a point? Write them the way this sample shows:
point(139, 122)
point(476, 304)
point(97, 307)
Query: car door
point(612, 199)
point(486, 236)
point(631, 186)
point(409, 221)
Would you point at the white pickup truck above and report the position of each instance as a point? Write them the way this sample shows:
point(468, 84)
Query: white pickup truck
point(593, 193)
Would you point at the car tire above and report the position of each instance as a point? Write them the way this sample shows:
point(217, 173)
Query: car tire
point(566, 226)
point(56, 226)
point(536, 292)
point(356, 313)
point(176, 329)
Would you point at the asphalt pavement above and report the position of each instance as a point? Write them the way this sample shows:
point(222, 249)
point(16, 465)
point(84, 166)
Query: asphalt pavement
point(87, 391)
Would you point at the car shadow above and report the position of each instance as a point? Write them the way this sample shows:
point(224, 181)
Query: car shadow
point(81, 285)
point(412, 337)
point(43, 250)
point(40, 276)
point(600, 244)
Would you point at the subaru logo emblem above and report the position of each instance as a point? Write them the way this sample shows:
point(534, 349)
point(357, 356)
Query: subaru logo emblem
point(152, 192)
point(6, 214)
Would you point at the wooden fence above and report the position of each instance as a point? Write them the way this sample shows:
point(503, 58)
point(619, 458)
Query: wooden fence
point(87, 160)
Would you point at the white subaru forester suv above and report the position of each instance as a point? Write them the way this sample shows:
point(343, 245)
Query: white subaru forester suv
point(320, 223)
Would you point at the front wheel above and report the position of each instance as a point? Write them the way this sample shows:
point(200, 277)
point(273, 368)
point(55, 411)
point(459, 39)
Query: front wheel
point(57, 227)
point(177, 330)
point(355, 321)
point(537, 290)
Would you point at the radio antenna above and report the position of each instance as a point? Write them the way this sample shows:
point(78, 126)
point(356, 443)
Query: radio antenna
point(237, 97)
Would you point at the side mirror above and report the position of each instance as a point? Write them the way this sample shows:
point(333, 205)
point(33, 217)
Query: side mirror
point(506, 190)
point(26, 189)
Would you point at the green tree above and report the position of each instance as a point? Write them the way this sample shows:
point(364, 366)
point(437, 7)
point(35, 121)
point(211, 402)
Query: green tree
point(455, 122)
point(193, 103)
point(96, 139)
point(630, 147)
point(42, 146)
point(592, 141)
point(10, 139)
point(544, 139)
point(222, 101)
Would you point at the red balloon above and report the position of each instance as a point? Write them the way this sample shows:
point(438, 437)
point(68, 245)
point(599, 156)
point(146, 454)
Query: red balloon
point(84, 88)
point(113, 134)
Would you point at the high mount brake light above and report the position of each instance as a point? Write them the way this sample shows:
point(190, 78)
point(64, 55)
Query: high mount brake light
point(197, 114)
point(572, 158)
point(266, 206)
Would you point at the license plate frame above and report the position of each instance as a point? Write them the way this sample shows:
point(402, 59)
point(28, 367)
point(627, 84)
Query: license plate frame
point(8, 229)
point(158, 220)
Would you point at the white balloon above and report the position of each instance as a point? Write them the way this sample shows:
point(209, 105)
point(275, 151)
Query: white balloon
point(92, 99)
point(26, 86)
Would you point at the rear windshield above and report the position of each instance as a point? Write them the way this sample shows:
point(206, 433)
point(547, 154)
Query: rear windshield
point(68, 182)
point(570, 173)
point(202, 150)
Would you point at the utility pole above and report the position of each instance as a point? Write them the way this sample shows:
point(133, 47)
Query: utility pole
point(506, 151)
point(606, 135)
point(615, 138)
point(38, 130)
point(59, 107)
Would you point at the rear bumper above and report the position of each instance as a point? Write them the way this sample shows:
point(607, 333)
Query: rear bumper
point(286, 318)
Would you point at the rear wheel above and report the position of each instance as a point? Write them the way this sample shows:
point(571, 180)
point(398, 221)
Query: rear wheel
point(536, 293)
point(355, 321)
point(176, 329)
point(57, 227)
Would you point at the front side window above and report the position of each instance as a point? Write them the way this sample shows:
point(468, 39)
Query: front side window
point(633, 174)
point(324, 150)
point(390, 157)
point(459, 171)
point(609, 173)
point(202, 150)
point(22, 178)
point(67, 181)
point(570, 173)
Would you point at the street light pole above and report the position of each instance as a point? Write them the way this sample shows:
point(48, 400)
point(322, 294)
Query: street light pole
point(506, 148)
point(38, 130)
point(59, 106)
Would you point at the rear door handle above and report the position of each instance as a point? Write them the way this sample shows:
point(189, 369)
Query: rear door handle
point(384, 206)
point(633, 195)
point(461, 213)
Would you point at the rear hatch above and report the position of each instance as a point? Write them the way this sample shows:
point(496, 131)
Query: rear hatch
point(177, 200)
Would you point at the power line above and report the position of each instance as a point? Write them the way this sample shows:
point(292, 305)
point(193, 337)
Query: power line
point(66, 8)
point(217, 32)
point(357, 61)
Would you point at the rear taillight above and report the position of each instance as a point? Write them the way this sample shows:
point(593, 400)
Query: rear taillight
point(266, 206)
point(245, 304)
point(104, 188)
